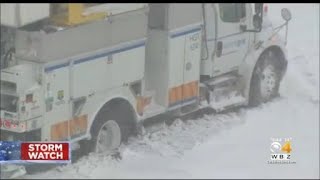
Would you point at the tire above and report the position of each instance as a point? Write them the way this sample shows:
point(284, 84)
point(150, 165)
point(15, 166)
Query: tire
point(113, 122)
point(107, 138)
point(265, 80)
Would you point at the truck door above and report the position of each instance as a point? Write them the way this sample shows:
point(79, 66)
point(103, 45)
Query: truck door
point(232, 42)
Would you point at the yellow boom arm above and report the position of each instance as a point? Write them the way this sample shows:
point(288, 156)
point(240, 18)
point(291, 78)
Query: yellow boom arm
point(70, 14)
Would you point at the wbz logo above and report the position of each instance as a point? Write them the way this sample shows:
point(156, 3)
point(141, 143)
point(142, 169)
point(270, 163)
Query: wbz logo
point(281, 149)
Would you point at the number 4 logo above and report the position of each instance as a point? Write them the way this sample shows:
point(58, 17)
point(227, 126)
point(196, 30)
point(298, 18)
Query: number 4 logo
point(286, 147)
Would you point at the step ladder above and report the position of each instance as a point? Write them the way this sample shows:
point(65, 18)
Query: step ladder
point(224, 92)
point(221, 102)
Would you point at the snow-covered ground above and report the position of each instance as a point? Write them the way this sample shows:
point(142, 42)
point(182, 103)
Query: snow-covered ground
point(235, 144)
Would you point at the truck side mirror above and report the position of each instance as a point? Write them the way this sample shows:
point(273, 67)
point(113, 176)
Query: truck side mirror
point(257, 17)
point(257, 22)
point(286, 14)
point(258, 8)
point(243, 27)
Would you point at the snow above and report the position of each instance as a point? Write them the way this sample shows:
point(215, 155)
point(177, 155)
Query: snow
point(234, 144)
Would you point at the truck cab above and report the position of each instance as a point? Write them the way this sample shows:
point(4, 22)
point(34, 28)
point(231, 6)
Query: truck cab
point(227, 43)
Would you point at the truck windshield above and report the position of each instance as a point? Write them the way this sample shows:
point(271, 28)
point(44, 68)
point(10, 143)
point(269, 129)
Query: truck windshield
point(9, 103)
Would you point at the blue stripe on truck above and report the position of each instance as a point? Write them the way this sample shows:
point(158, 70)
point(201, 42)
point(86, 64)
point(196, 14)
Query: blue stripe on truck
point(94, 57)
point(51, 68)
point(181, 33)
point(118, 50)
point(109, 53)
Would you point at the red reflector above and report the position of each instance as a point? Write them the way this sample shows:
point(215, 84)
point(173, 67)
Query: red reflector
point(7, 123)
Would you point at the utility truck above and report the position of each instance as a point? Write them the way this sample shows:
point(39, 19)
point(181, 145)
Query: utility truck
point(92, 74)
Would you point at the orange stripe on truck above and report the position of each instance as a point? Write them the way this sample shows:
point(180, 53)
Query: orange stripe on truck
point(142, 102)
point(75, 127)
point(59, 131)
point(184, 91)
point(175, 94)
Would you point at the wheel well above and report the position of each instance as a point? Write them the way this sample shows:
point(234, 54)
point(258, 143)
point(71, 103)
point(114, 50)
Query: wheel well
point(281, 60)
point(115, 109)
point(119, 107)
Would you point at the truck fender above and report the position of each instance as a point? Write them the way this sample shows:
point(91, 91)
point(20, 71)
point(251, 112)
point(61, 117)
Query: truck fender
point(109, 103)
point(247, 67)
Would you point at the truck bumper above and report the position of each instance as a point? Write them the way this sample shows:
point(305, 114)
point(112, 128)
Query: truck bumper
point(11, 171)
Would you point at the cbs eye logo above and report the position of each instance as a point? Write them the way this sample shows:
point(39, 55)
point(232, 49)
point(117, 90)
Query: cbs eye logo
point(276, 147)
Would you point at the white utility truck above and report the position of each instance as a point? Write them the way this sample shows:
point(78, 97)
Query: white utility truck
point(92, 74)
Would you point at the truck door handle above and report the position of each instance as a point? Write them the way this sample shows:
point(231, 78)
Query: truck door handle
point(219, 48)
point(243, 27)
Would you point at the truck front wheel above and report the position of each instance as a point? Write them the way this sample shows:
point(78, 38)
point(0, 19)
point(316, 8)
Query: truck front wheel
point(265, 79)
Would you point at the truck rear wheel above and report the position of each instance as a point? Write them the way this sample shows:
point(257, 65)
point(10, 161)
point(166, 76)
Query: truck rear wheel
point(265, 79)
point(108, 138)
point(112, 126)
